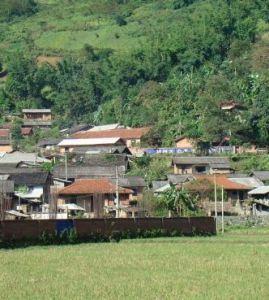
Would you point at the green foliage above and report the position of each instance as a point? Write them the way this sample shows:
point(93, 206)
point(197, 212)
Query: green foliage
point(9, 8)
point(178, 200)
point(151, 168)
point(128, 62)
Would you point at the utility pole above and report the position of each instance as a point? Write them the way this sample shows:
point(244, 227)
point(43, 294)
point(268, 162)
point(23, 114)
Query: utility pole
point(215, 192)
point(65, 164)
point(222, 210)
point(117, 194)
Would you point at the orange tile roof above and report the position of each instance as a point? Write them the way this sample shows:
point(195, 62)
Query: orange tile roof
point(223, 181)
point(124, 133)
point(92, 186)
point(4, 132)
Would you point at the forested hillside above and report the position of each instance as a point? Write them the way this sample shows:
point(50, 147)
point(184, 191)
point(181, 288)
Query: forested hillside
point(168, 64)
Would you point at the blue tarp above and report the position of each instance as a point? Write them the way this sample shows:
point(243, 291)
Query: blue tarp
point(220, 149)
point(64, 225)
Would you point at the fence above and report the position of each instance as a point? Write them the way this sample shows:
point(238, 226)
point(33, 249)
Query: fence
point(33, 229)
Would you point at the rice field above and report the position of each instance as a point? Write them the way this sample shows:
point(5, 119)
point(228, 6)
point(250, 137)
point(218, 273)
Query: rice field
point(233, 266)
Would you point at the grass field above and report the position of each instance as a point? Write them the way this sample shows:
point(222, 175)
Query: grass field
point(235, 266)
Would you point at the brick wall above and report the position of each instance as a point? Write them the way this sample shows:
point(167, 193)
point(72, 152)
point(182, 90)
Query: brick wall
point(33, 229)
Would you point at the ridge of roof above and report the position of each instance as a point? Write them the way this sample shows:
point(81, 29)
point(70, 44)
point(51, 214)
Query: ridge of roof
point(93, 186)
point(124, 133)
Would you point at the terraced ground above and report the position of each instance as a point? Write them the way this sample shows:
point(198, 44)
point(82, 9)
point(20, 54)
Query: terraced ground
point(233, 266)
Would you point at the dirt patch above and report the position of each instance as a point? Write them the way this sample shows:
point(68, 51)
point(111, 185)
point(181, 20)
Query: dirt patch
point(52, 60)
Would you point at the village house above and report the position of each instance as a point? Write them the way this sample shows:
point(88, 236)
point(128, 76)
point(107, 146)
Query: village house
point(5, 141)
point(261, 175)
point(81, 170)
point(136, 183)
point(260, 198)
point(32, 189)
point(75, 129)
point(94, 195)
point(131, 136)
point(236, 194)
point(201, 165)
point(41, 118)
point(185, 143)
point(49, 147)
point(26, 131)
point(6, 194)
point(94, 146)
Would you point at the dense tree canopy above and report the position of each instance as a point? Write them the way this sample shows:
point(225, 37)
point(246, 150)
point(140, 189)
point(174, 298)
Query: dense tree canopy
point(195, 55)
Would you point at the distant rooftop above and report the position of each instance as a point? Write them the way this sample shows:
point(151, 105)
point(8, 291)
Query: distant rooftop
point(36, 110)
point(89, 142)
point(214, 162)
point(106, 127)
point(17, 157)
point(124, 133)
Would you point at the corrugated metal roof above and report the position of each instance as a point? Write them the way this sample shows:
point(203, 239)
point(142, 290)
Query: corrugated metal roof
point(36, 110)
point(90, 142)
point(188, 160)
point(262, 190)
point(105, 127)
point(248, 181)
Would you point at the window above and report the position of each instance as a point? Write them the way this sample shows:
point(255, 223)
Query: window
point(200, 169)
point(91, 204)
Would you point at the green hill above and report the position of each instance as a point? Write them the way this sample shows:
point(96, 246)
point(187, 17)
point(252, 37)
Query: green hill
point(169, 64)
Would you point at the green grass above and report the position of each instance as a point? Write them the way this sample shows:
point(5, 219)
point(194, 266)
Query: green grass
point(113, 37)
point(231, 267)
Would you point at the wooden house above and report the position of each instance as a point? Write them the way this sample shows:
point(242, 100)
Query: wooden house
point(41, 118)
point(201, 165)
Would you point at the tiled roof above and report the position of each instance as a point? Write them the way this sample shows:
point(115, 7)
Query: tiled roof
point(222, 181)
point(262, 190)
point(214, 162)
point(176, 179)
point(30, 179)
point(132, 181)
point(4, 133)
point(262, 175)
point(87, 171)
point(124, 133)
point(158, 184)
point(26, 130)
point(17, 157)
point(93, 186)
